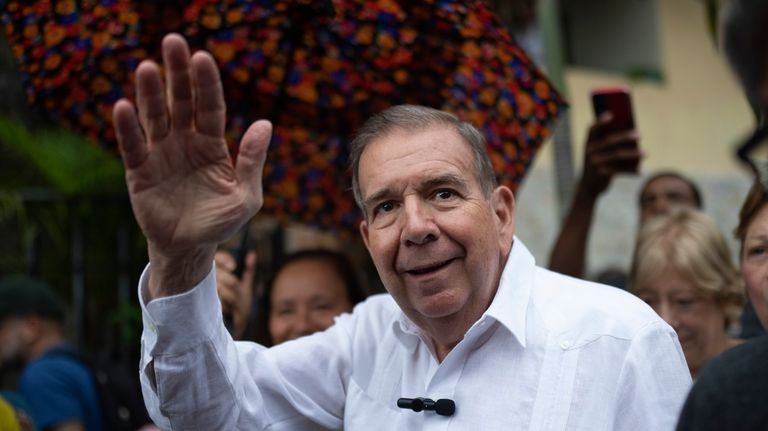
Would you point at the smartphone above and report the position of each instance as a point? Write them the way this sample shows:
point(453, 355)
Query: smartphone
point(618, 101)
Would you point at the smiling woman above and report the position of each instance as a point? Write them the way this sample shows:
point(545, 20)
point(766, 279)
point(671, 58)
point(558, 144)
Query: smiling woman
point(307, 291)
point(683, 269)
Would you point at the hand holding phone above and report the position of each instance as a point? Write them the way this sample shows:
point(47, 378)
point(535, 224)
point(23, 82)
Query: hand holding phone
point(612, 145)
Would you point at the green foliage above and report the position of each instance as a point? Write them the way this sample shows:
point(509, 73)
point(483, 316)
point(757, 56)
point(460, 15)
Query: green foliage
point(68, 163)
point(127, 320)
point(644, 73)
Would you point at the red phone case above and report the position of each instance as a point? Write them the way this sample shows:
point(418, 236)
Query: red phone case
point(618, 101)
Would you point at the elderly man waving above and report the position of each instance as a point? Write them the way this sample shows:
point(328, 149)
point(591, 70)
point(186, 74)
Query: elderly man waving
point(473, 335)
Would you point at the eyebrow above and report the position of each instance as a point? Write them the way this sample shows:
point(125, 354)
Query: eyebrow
point(760, 236)
point(453, 180)
point(445, 180)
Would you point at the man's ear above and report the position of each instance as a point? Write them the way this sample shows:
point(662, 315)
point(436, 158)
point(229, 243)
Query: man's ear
point(503, 203)
point(364, 233)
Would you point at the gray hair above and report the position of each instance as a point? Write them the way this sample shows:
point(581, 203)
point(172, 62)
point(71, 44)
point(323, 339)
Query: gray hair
point(744, 40)
point(413, 118)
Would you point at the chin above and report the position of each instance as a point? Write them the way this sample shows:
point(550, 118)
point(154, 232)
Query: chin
point(439, 305)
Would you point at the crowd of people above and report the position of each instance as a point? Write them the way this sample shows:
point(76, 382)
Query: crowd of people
point(468, 313)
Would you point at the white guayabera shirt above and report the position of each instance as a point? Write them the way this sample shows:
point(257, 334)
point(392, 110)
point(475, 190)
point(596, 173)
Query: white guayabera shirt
point(550, 353)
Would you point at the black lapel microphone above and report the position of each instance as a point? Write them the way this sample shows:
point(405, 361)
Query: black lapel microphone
point(443, 406)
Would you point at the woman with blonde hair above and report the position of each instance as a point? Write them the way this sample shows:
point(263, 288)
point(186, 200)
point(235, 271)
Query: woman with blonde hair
point(682, 267)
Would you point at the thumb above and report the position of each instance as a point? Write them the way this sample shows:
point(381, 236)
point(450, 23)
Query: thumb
point(249, 166)
point(224, 260)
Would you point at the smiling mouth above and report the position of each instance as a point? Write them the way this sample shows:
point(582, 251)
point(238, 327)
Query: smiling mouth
point(430, 268)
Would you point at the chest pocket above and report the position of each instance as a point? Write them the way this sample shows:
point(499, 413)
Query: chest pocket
point(363, 413)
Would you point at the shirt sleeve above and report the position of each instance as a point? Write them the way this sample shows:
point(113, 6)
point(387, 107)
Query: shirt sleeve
point(194, 376)
point(654, 381)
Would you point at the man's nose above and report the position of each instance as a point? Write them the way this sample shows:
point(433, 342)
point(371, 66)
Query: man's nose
point(419, 225)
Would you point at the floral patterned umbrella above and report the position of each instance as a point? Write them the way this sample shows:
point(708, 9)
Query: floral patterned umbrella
point(317, 69)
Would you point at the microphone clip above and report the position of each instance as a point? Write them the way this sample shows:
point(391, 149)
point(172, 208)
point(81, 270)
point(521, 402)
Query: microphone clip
point(443, 406)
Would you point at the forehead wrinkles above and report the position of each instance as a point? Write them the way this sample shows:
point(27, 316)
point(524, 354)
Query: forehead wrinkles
point(394, 186)
point(406, 156)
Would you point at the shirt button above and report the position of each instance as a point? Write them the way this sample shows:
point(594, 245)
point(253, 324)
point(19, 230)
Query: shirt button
point(564, 345)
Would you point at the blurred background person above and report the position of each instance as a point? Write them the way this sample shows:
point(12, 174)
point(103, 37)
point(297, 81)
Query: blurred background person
point(682, 268)
point(60, 391)
point(307, 290)
point(12, 419)
point(18, 417)
point(666, 190)
point(236, 291)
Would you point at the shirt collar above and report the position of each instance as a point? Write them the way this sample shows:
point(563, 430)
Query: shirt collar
point(509, 305)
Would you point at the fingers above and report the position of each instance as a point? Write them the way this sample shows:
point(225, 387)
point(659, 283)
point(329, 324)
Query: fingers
point(626, 160)
point(194, 92)
point(150, 99)
point(179, 81)
point(251, 156)
point(614, 142)
point(210, 109)
point(235, 294)
point(130, 138)
point(224, 260)
point(226, 287)
point(598, 128)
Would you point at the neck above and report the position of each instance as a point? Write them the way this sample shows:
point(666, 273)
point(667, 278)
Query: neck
point(442, 350)
point(447, 332)
point(718, 347)
point(44, 342)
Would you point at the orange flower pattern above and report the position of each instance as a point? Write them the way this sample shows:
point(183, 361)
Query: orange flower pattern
point(316, 68)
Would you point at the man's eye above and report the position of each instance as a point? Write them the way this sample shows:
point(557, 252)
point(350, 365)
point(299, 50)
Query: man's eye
point(444, 194)
point(385, 207)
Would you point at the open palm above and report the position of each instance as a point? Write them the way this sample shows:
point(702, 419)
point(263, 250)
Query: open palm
point(187, 194)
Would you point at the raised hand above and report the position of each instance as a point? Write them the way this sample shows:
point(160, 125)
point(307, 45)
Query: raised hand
point(186, 193)
point(608, 153)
